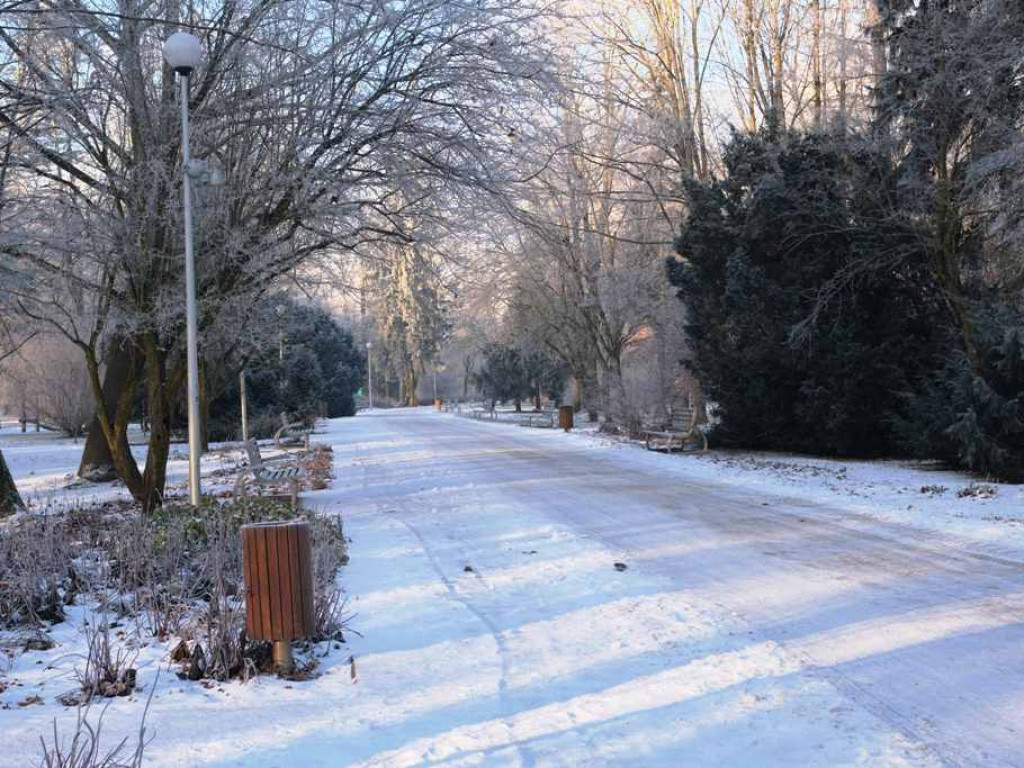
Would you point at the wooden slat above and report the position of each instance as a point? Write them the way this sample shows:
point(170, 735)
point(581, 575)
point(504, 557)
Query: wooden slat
point(264, 581)
point(252, 621)
point(276, 631)
point(293, 551)
point(306, 572)
point(285, 573)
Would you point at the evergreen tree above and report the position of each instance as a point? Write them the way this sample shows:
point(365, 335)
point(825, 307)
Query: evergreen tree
point(973, 421)
point(952, 105)
point(503, 375)
point(546, 376)
point(320, 374)
point(757, 250)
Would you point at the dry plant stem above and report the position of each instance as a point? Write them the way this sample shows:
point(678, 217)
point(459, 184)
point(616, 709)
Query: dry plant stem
point(84, 750)
point(108, 672)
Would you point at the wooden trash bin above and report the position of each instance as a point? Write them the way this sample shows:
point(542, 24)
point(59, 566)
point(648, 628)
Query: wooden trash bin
point(439, 404)
point(277, 561)
point(565, 417)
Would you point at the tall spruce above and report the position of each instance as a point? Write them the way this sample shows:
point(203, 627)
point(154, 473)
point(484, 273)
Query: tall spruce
point(756, 251)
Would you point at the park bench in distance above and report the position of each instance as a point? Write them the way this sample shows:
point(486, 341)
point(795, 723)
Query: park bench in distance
point(263, 472)
point(682, 433)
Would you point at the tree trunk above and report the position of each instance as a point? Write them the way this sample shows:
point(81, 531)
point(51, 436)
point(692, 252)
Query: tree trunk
point(750, 54)
point(160, 388)
point(467, 375)
point(819, 110)
point(97, 463)
point(879, 64)
point(777, 118)
point(949, 219)
point(842, 64)
point(10, 499)
point(700, 405)
point(147, 489)
point(410, 382)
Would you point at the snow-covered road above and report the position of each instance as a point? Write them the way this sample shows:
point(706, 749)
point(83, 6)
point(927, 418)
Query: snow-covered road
point(746, 629)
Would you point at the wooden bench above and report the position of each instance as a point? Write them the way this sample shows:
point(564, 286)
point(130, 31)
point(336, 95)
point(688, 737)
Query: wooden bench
point(262, 472)
point(543, 419)
point(682, 433)
point(291, 434)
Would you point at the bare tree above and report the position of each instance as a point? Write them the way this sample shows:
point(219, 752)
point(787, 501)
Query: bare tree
point(331, 121)
point(52, 375)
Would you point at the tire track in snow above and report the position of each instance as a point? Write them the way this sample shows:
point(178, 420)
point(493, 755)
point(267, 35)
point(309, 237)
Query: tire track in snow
point(504, 703)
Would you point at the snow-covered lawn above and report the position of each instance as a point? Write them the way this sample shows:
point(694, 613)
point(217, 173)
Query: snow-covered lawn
point(528, 597)
point(44, 465)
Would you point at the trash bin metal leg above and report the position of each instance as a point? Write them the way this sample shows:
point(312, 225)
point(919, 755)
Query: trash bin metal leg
point(282, 652)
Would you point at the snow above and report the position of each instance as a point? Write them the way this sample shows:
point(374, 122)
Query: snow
point(774, 610)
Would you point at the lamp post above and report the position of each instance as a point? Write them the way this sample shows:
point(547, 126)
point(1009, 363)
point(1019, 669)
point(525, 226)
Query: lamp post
point(183, 52)
point(369, 365)
point(281, 309)
point(245, 406)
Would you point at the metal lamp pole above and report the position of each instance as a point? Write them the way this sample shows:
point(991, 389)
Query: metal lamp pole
point(369, 363)
point(281, 309)
point(245, 407)
point(183, 53)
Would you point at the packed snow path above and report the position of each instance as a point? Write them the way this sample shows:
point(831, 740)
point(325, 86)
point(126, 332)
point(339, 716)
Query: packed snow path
point(745, 629)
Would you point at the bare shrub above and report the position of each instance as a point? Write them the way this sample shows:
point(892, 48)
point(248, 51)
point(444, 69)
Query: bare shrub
point(109, 669)
point(330, 606)
point(319, 464)
point(330, 552)
point(37, 572)
point(151, 562)
point(83, 749)
point(224, 618)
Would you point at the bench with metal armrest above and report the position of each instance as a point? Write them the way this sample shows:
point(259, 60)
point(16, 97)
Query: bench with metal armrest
point(269, 472)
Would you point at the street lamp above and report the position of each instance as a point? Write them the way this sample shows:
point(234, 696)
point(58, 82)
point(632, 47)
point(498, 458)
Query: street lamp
point(245, 406)
point(183, 52)
point(281, 309)
point(369, 363)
